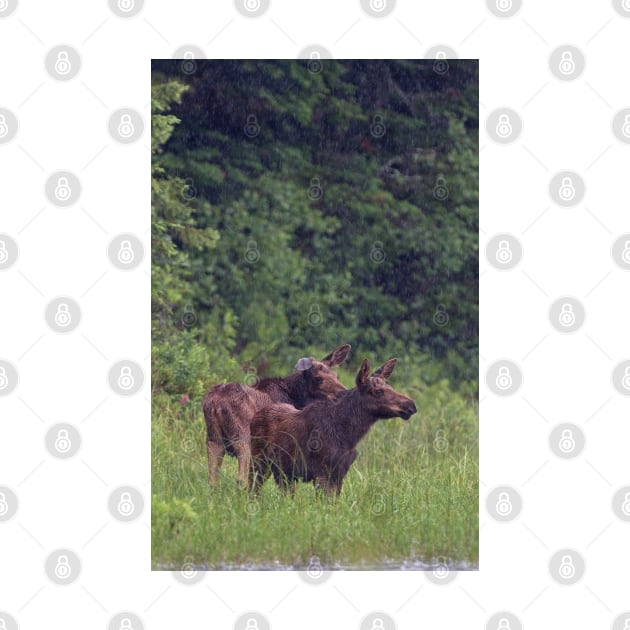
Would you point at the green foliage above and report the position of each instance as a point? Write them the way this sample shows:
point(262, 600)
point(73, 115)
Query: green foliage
point(295, 210)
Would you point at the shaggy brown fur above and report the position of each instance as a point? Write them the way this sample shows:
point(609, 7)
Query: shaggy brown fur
point(319, 442)
point(229, 408)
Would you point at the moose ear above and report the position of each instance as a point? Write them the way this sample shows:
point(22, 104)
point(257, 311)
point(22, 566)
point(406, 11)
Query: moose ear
point(304, 364)
point(385, 371)
point(337, 356)
point(363, 374)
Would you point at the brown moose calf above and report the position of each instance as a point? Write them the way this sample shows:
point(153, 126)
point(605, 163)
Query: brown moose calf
point(229, 408)
point(319, 442)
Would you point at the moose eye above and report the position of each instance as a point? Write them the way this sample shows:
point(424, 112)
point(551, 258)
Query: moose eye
point(378, 392)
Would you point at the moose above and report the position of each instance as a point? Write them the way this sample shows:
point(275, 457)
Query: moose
point(318, 443)
point(229, 408)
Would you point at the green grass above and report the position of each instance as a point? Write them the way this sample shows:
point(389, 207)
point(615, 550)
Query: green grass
point(412, 494)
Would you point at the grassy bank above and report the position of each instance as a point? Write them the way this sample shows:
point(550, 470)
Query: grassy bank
point(411, 495)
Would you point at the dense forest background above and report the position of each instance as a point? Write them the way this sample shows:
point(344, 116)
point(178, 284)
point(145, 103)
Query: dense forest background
point(298, 205)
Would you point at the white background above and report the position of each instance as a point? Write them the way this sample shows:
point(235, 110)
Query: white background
point(63, 378)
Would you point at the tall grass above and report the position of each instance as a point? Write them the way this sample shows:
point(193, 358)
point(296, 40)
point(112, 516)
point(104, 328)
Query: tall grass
point(411, 495)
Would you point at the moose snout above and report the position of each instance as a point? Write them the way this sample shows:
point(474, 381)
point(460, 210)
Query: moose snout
point(407, 409)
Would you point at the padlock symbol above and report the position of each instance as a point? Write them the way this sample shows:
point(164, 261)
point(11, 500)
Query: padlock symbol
point(567, 316)
point(504, 5)
point(189, 65)
point(252, 5)
point(440, 317)
point(567, 189)
point(62, 316)
point(440, 191)
point(4, 381)
point(377, 254)
point(315, 569)
point(125, 624)
point(126, 505)
point(625, 380)
point(314, 315)
point(126, 5)
point(377, 624)
point(625, 254)
point(252, 255)
point(251, 624)
point(567, 64)
point(4, 128)
point(504, 379)
point(252, 128)
point(63, 191)
point(63, 443)
point(315, 64)
point(125, 378)
point(504, 505)
point(126, 128)
point(378, 5)
point(441, 570)
point(440, 63)
point(63, 570)
point(567, 568)
point(567, 441)
point(377, 128)
point(504, 253)
point(4, 506)
point(625, 506)
point(625, 128)
point(315, 192)
point(504, 126)
point(4, 254)
point(626, 623)
point(125, 253)
point(503, 624)
point(63, 65)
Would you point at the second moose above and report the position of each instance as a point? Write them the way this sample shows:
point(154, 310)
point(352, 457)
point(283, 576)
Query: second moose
point(318, 443)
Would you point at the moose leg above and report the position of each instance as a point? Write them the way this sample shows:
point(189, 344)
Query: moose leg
point(244, 456)
point(216, 451)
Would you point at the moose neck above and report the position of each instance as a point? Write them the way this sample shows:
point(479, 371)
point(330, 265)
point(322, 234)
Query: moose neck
point(294, 387)
point(352, 420)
